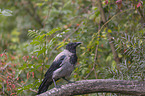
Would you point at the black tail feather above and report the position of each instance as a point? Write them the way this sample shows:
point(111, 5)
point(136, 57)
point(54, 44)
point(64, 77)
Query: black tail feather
point(44, 85)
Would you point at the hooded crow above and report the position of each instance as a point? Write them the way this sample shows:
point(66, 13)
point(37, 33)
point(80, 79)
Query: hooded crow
point(62, 67)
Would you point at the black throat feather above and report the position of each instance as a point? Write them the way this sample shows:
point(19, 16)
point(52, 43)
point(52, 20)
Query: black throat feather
point(73, 59)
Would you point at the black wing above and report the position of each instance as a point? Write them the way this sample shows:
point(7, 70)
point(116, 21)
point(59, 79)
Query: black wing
point(55, 65)
point(47, 81)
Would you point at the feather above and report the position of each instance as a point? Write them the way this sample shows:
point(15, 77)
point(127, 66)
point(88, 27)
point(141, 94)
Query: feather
point(47, 81)
point(55, 65)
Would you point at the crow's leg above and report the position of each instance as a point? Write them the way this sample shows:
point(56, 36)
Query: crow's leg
point(54, 83)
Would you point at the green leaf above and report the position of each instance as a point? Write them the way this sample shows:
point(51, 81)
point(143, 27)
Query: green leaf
point(35, 42)
point(23, 67)
point(61, 44)
point(30, 65)
point(32, 33)
point(19, 90)
point(39, 4)
point(35, 68)
point(100, 50)
point(42, 37)
point(83, 48)
point(47, 66)
point(41, 51)
point(109, 30)
point(113, 65)
point(108, 58)
point(53, 31)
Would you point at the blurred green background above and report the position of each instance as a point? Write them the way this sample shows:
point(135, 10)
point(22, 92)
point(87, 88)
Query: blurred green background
point(33, 32)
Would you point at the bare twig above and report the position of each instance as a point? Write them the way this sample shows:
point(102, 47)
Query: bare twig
point(89, 73)
point(73, 31)
point(94, 64)
point(3, 68)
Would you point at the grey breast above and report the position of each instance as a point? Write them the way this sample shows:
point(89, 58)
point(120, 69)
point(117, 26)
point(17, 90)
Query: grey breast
point(66, 67)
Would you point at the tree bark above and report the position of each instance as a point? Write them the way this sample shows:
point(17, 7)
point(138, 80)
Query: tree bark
point(136, 88)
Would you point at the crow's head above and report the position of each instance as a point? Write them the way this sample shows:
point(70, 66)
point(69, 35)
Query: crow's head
point(72, 46)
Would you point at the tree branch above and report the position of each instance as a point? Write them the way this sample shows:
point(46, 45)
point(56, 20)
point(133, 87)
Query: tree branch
point(136, 88)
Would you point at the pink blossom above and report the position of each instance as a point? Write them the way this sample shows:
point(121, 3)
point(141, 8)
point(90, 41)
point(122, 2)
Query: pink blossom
point(106, 2)
point(139, 4)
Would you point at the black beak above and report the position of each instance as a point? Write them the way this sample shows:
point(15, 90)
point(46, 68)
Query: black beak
point(78, 43)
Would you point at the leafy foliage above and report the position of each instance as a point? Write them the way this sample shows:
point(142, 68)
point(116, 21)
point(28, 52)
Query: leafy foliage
point(34, 32)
